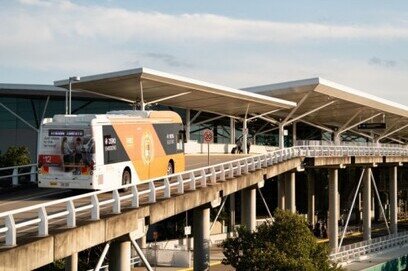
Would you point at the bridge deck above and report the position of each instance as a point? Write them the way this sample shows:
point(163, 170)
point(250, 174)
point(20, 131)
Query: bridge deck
point(31, 196)
point(27, 196)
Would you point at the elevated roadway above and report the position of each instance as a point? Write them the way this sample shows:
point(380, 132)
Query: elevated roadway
point(72, 224)
point(30, 195)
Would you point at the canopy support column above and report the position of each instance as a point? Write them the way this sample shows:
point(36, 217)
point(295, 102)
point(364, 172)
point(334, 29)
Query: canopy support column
point(232, 131)
point(281, 136)
point(142, 103)
point(188, 124)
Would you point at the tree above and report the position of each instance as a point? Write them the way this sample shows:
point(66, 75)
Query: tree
point(15, 156)
point(287, 244)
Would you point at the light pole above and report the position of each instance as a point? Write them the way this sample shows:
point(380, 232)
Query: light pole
point(70, 80)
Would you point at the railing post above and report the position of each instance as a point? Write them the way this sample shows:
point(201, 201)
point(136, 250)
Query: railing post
point(95, 212)
point(43, 226)
point(167, 192)
point(265, 161)
point(258, 163)
point(11, 234)
point(238, 168)
point(135, 197)
point(192, 181)
point(180, 187)
point(152, 194)
point(14, 178)
point(252, 164)
point(222, 174)
point(246, 166)
point(213, 176)
point(71, 219)
point(203, 181)
point(33, 174)
point(116, 203)
point(231, 170)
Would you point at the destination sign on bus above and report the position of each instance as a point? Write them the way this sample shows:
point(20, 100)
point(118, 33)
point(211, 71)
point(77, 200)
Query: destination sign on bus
point(65, 132)
point(372, 125)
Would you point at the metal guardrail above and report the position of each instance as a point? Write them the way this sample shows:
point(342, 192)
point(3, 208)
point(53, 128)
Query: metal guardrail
point(374, 246)
point(16, 174)
point(151, 189)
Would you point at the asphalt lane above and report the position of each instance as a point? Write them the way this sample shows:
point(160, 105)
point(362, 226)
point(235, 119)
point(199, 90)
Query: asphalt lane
point(28, 196)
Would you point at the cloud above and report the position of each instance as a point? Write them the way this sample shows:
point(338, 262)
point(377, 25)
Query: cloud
point(375, 61)
point(63, 38)
point(168, 59)
point(65, 18)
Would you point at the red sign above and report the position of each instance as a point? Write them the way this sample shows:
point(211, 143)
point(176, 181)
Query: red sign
point(208, 136)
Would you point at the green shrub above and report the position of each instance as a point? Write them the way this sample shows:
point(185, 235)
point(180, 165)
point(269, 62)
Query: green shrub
point(15, 156)
point(287, 244)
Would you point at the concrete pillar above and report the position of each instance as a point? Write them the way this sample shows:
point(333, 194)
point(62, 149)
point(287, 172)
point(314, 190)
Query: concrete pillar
point(71, 262)
point(333, 207)
point(393, 199)
point(232, 131)
point(290, 192)
point(232, 211)
point(119, 255)
point(337, 138)
point(248, 210)
point(281, 136)
point(281, 191)
point(311, 197)
point(188, 126)
point(201, 231)
point(294, 133)
point(367, 204)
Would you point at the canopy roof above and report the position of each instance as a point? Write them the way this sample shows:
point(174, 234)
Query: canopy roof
point(346, 107)
point(173, 90)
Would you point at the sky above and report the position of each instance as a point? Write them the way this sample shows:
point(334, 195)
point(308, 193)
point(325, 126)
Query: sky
point(362, 44)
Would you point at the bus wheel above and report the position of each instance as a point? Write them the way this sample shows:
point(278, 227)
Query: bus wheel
point(126, 178)
point(170, 168)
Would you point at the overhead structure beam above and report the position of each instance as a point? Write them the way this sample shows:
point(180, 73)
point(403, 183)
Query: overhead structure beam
point(168, 98)
point(396, 140)
point(209, 120)
point(262, 127)
point(263, 114)
point(17, 116)
point(107, 96)
point(360, 122)
point(349, 121)
point(318, 126)
point(45, 109)
point(299, 104)
point(308, 113)
point(361, 134)
point(392, 132)
point(269, 130)
point(268, 119)
point(194, 117)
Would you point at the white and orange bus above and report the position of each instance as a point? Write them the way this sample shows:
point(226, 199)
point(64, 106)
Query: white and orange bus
point(106, 151)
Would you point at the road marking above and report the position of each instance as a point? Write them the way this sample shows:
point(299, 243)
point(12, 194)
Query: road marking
point(42, 194)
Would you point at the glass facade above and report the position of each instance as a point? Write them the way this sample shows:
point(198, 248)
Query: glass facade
point(14, 132)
